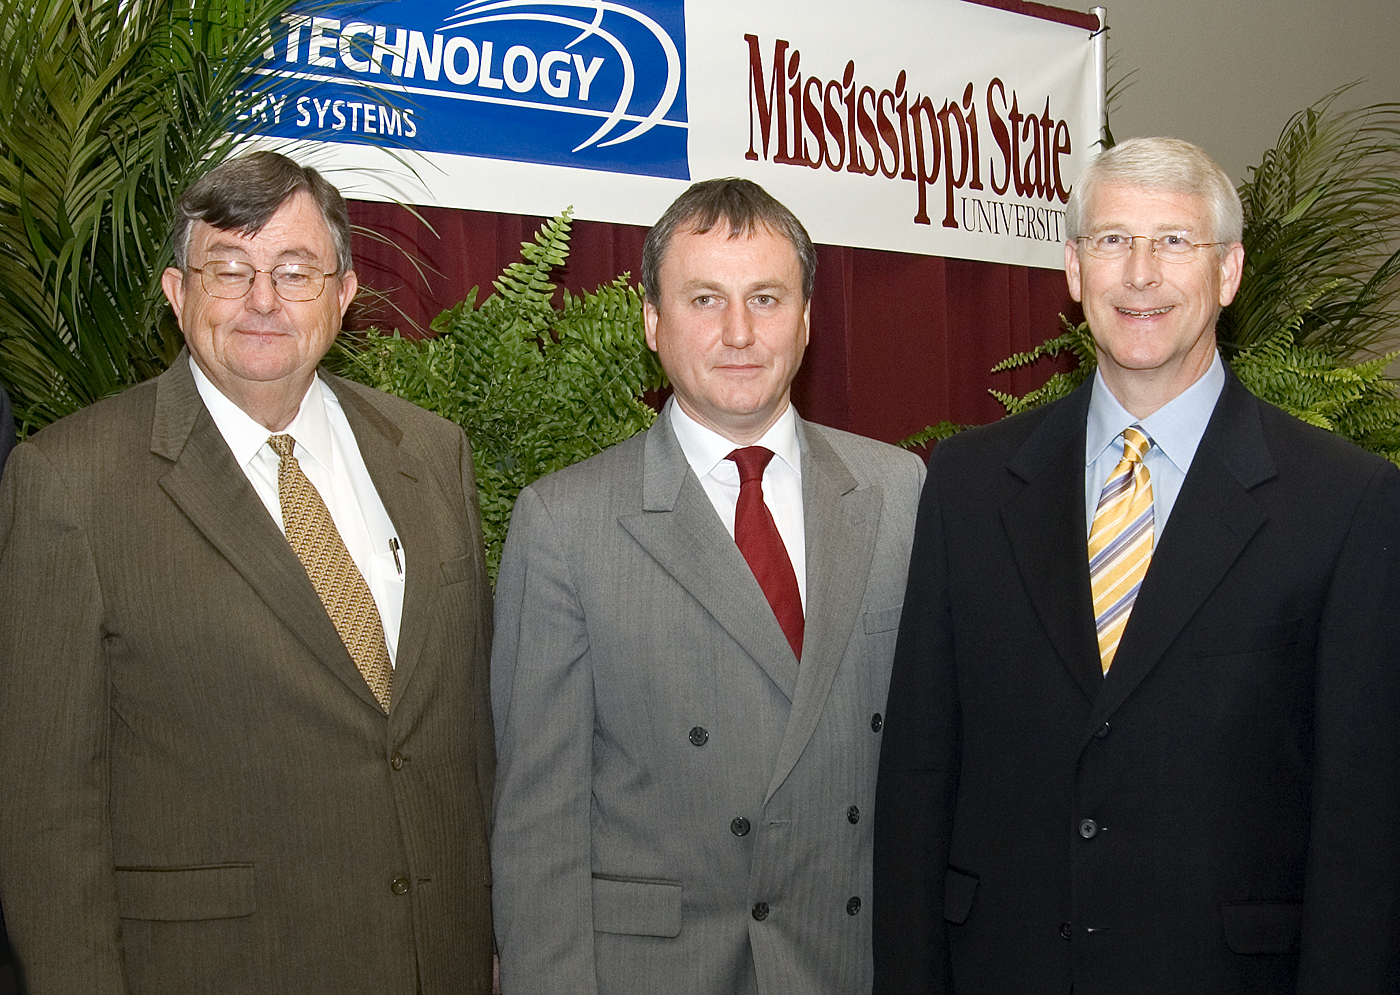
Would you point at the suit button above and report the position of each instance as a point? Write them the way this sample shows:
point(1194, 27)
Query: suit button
point(877, 722)
point(1065, 931)
point(399, 886)
point(699, 736)
point(1101, 732)
point(740, 826)
point(853, 814)
point(1088, 829)
point(397, 761)
point(760, 911)
point(853, 906)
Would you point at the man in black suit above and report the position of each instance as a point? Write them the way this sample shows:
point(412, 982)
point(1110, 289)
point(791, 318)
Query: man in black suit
point(7, 441)
point(7, 435)
point(1186, 783)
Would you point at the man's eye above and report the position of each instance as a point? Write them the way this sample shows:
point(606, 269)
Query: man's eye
point(1111, 239)
point(763, 300)
point(1173, 241)
point(704, 300)
point(230, 275)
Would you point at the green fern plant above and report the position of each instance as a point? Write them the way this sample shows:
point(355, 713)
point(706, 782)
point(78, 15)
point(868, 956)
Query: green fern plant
point(535, 384)
point(110, 108)
point(1307, 379)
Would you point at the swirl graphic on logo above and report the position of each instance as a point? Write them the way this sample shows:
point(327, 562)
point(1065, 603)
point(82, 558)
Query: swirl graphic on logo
point(588, 16)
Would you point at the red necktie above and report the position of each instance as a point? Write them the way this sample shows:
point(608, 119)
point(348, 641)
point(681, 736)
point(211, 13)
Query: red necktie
point(757, 538)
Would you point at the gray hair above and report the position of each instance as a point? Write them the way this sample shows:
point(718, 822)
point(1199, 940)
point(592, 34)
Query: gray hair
point(741, 204)
point(1161, 164)
point(243, 194)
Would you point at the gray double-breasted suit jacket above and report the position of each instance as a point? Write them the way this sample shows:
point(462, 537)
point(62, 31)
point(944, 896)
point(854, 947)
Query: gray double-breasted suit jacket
point(681, 806)
point(200, 792)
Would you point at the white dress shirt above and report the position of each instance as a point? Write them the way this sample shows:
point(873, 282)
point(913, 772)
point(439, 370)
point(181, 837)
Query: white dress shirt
point(1175, 428)
point(707, 452)
point(330, 457)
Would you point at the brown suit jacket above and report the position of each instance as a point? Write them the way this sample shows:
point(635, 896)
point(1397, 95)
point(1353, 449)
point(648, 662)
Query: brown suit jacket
point(201, 794)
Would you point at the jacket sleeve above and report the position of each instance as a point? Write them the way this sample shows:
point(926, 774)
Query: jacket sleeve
point(542, 702)
point(918, 778)
point(1351, 919)
point(56, 876)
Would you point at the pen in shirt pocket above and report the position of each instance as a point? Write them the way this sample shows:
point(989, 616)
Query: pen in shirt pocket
point(394, 548)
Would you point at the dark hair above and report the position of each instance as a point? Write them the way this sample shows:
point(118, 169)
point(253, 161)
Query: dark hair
point(243, 194)
point(744, 206)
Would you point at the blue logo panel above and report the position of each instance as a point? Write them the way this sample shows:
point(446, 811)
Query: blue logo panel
point(582, 83)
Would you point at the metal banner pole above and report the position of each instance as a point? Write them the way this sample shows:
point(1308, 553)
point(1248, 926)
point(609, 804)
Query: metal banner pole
point(1100, 38)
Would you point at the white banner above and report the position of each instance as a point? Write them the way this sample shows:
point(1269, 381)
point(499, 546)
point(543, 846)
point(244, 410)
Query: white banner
point(941, 127)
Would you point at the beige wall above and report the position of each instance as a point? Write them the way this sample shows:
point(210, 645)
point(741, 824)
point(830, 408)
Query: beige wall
point(1228, 74)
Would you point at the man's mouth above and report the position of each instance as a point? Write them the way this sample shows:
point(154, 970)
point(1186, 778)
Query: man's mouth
point(1144, 314)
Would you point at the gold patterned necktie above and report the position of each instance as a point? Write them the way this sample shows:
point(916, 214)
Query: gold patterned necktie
point(1120, 542)
point(314, 538)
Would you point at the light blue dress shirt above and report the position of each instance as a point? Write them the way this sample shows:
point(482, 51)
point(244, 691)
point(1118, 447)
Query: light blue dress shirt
point(1175, 429)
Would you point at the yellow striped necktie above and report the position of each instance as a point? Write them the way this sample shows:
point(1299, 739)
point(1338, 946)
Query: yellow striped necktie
point(316, 541)
point(1120, 542)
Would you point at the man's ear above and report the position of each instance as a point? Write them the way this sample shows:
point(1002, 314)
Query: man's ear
point(1231, 270)
point(649, 319)
point(172, 281)
point(349, 287)
point(1072, 270)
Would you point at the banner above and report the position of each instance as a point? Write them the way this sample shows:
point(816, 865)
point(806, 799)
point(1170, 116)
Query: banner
point(941, 127)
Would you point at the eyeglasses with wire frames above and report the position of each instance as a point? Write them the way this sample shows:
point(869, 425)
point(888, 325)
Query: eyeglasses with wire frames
point(230, 280)
point(1173, 247)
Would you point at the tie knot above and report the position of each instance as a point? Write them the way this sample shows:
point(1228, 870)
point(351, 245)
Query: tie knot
point(282, 445)
point(1136, 443)
point(752, 461)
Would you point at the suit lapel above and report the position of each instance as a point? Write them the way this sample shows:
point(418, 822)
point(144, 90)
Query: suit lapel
point(1212, 521)
point(401, 479)
point(1045, 527)
point(214, 494)
point(679, 529)
point(840, 521)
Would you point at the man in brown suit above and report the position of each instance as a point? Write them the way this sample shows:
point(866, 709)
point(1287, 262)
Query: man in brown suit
point(205, 790)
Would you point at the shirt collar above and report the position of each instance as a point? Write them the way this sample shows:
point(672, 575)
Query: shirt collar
point(1176, 427)
point(705, 448)
point(245, 437)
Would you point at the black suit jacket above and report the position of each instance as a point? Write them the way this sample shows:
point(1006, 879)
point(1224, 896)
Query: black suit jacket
point(1221, 813)
point(7, 427)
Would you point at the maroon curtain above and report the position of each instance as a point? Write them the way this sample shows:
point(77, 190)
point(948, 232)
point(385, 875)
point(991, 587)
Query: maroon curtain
point(899, 341)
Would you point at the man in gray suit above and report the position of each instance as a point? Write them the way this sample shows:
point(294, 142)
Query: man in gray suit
point(244, 730)
point(691, 659)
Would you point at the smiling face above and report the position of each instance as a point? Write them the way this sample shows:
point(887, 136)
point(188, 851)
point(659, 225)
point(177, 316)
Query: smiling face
point(730, 325)
point(261, 351)
point(1152, 321)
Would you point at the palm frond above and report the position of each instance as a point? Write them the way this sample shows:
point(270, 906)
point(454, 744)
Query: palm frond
point(112, 107)
point(1322, 218)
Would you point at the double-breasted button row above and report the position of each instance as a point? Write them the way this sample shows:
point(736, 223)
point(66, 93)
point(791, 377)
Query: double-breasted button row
point(740, 826)
point(699, 736)
point(399, 886)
